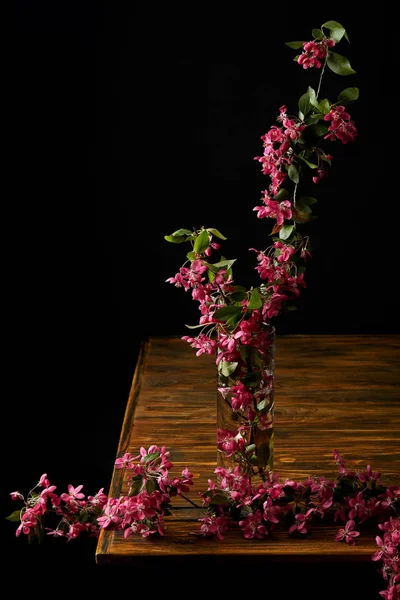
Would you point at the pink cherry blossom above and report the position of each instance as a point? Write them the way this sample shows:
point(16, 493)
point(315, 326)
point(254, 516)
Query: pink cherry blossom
point(253, 526)
point(347, 533)
point(300, 524)
point(73, 494)
point(341, 128)
point(204, 344)
point(126, 461)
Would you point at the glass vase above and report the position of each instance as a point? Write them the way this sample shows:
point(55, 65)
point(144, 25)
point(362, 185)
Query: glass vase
point(245, 404)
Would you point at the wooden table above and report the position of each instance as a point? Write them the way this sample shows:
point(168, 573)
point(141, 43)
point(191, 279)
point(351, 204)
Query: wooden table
point(332, 392)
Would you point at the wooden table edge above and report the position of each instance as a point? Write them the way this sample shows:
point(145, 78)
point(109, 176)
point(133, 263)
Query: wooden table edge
point(117, 476)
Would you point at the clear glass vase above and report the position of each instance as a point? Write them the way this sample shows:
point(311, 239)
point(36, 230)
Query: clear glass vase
point(245, 404)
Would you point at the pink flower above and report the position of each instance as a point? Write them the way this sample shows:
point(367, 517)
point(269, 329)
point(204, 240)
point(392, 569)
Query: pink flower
point(253, 526)
point(284, 251)
point(142, 506)
point(368, 476)
point(16, 496)
point(341, 127)
point(392, 593)
point(347, 533)
point(322, 173)
point(300, 525)
point(73, 494)
point(314, 52)
point(274, 210)
point(387, 548)
point(204, 344)
point(111, 514)
point(100, 499)
point(213, 526)
point(43, 481)
point(126, 461)
point(227, 441)
point(74, 531)
point(241, 397)
point(55, 532)
point(271, 511)
point(28, 522)
point(357, 505)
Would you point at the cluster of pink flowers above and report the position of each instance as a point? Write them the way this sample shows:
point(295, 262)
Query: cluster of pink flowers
point(314, 52)
point(287, 153)
point(389, 555)
point(341, 128)
point(72, 513)
point(232, 318)
point(278, 156)
point(151, 490)
point(354, 498)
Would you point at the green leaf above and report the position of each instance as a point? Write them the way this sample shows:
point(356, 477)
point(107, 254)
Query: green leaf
point(339, 64)
point(217, 233)
point(15, 516)
point(337, 34)
point(312, 95)
point(137, 485)
point(228, 368)
point(295, 45)
point(84, 516)
point(238, 296)
point(282, 195)
point(305, 104)
point(324, 106)
point(191, 256)
point(332, 25)
point(301, 215)
point(221, 264)
point(309, 164)
point(293, 173)
point(219, 498)
point(337, 31)
point(255, 300)
point(175, 239)
point(179, 232)
point(202, 242)
point(348, 95)
point(318, 129)
point(151, 456)
point(194, 326)
point(306, 201)
point(317, 33)
point(301, 116)
point(285, 232)
point(314, 118)
point(250, 448)
point(150, 486)
point(233, 320)
point(224, 313)
point(262, 404)
point(208, 494)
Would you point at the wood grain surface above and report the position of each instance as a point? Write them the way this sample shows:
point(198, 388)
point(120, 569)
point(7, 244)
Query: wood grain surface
point(332, 392)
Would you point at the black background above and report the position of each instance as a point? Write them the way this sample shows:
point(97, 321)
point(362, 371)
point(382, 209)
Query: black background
point(127, 125)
